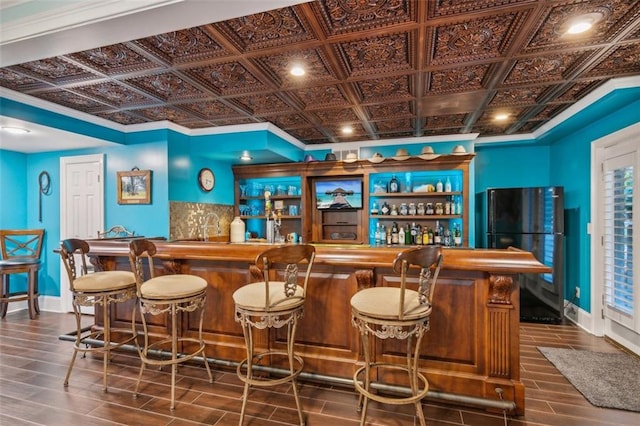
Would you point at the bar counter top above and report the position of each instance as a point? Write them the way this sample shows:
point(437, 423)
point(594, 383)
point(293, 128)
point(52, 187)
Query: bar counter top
point(470, 351)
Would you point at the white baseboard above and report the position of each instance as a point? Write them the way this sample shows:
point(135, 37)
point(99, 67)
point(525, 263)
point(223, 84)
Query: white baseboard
point(46, 303)
point(579, 317)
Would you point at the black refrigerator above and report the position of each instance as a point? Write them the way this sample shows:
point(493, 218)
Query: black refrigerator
point(532, 219)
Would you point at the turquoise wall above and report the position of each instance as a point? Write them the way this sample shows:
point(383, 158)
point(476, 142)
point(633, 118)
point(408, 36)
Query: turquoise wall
point(13, 197)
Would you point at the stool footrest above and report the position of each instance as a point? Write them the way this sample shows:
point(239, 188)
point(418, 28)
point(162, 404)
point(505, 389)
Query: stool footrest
point(270, 382)
point(181, 357)
point(387, 399)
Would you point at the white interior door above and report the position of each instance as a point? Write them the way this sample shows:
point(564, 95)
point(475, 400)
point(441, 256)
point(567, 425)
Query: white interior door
point(81, 207)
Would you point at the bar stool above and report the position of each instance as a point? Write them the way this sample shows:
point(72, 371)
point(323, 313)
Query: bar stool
point(173, 294)
point(273, 304)
point(21, 251)
point(397, 313)
point(91, 289)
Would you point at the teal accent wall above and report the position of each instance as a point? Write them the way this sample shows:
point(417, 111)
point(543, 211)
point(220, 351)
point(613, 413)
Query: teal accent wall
point(13, 197)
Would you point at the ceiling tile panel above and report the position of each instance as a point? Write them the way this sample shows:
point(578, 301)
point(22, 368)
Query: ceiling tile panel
point(72, 100)
point(396, 109)
point(378, 55)
point(114, 59)
point(55, 70)
point(552, 30)
point(313, 61)
point(19, 81)
point(473, 40)
point(265, 103)
point(624, 60)
point(114, 94)
point(166, 86)
point(542, 69)
point(228, 78)
point(275, 28)
point(348, 16)
point(382, 89)
point(122, 117)
point(212, 109)
point(185, 46)
point(321, 97)
point(516, 96)
point(457, 79)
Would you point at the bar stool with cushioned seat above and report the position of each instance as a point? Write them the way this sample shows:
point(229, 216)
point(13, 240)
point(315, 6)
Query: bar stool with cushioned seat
point(91, 289)
point(173, 294)
point(273, 304)
point(397, 313)
point(21, 251)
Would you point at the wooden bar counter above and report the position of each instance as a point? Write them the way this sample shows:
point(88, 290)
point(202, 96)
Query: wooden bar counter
point(470, 355)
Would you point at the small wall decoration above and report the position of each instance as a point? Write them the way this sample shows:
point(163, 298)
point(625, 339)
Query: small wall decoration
point(134, 187)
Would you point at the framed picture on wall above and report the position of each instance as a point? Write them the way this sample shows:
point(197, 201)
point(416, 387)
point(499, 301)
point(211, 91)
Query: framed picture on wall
point(134, 187)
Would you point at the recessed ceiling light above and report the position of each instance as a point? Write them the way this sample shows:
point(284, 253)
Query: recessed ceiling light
point(297, 70)
point(15, 130)
point(347, 130)
point(245, 156)
point(501, 116)
point(583, 23)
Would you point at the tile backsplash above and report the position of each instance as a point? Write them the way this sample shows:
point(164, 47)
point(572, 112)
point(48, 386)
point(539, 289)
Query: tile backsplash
point(187, 220)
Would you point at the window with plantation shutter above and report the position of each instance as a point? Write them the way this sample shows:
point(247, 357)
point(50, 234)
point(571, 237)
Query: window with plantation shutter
point(621, 287)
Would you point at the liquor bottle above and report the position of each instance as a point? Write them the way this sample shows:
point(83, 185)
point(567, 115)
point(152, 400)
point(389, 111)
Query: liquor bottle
point(383, 235)
point(384, 209)
point(457, 238)
point(447, 185)
point(419, 240)
point(401, 236)
point(394, 233)
point(408, 182)
point(439, 186)
point(446, 240)
point(413, 233)
point(394, 185)
point(407, 236)
point(426, 236)
point(376, 237)
point(389, 237)
point(374, 208)
point(436, 234)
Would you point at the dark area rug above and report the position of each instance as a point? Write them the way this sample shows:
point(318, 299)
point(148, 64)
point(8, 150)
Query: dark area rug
point(610, 380)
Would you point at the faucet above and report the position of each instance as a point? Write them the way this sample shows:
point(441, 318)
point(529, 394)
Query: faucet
point(205, 227)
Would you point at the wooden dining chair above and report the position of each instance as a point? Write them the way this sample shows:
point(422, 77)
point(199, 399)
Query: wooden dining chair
point(21, 251)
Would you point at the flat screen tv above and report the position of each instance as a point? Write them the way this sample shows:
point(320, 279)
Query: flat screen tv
point(338, 194)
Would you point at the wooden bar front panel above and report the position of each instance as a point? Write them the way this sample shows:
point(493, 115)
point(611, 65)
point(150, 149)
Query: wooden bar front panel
point(471, 348)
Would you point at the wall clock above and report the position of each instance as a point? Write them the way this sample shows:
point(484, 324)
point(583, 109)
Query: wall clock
point(206, 179)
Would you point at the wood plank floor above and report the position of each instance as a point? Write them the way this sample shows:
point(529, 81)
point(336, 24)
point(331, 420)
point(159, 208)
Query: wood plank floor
point(33, 362)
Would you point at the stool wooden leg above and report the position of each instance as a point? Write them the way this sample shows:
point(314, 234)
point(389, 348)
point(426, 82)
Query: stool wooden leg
point(4, 295)
point(32, 276)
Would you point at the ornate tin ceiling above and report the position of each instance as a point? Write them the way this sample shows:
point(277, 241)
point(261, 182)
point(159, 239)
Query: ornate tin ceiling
point(388, 68)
